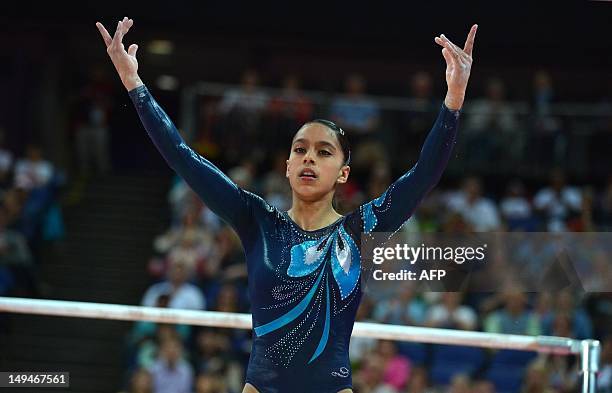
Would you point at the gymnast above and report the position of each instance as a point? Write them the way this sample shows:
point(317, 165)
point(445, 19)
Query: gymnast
point(304, 265)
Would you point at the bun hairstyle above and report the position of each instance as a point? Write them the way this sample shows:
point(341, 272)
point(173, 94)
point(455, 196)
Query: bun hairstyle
point(341, 135)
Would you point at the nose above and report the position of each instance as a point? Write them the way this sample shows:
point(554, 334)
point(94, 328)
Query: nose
point(308, 157)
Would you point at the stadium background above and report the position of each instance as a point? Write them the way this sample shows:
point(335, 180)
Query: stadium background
point(110, 231)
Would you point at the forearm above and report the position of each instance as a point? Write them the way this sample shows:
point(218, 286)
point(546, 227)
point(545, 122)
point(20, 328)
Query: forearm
point(436, 151)
point(131, 82)
point(454, 99)
point(388, 212)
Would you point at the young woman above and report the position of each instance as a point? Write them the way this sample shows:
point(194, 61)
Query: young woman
point(304, 264)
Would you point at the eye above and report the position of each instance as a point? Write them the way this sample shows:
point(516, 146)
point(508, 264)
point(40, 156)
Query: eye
point(325, 152)
point(299, 150)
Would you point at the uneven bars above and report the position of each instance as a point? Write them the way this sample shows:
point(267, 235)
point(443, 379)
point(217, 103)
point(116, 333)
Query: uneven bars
point(547, 344)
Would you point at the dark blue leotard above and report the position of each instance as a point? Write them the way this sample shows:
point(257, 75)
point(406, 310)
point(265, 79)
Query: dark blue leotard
point(304, 286)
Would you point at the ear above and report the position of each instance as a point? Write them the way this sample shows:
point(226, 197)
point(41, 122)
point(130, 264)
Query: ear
point(287, 171)
point(344, 174)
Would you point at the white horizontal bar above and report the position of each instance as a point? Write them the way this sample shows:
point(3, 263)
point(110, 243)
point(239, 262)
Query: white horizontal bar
point(558, 345)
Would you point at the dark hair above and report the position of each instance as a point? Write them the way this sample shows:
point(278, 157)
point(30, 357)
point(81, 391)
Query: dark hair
point(340, 135)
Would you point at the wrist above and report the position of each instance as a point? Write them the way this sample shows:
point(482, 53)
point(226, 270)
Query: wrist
point(131, 82)
point(454, 101)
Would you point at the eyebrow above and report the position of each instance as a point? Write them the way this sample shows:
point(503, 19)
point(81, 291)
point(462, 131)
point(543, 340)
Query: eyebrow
point(325, 143)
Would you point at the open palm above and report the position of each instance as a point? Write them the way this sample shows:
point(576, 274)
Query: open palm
point(124, 61)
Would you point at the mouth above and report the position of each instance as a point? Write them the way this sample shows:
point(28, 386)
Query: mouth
point(308, 175)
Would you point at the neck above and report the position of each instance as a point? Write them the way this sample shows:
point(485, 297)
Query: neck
point(313, 215)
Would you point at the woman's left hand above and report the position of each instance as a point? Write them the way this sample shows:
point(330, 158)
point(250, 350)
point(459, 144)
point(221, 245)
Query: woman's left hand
point(458, 67)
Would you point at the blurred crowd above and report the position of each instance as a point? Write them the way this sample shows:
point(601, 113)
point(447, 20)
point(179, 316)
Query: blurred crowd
point(198, 263)
point(30, 217)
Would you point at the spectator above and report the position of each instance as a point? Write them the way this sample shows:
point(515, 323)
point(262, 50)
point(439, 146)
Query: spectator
point(221, 352)
point(404, 309)
point(516, 209)
point(548, 144)
point(419, 382)
point(210, 383)
point(242, 109)
point(193, 250)
point(33, 171)
point(565, 305)
point(182, 294)
point(171, 373)
point(189, 230)
point(247, 100)
point(514, 318)
point(460, 383)
point(145, 336)
point(287, 112)
point(480, 212)
point(558, 202)
point(16, 265)
point(563, 369)
point(361, 347)
point(416, 122)
point(243, 175)
point(397, 367)
point(483, 386)
point(584, 220)
point(291, 104)
point(184, 201)
point(355, 111)
point(537, 378)
point(492, 112)
point(140, 382)
point(14, 249)
point(275, 185)
point(490, 126)
point(228, 259)
point(370, 378)
point(451, 314)
point(92, 131)
point(360, 116)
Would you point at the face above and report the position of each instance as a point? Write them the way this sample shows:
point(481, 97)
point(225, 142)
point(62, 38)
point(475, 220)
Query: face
point(172, 350)
point(178, 273)
point(141, 381)
point(316, 163)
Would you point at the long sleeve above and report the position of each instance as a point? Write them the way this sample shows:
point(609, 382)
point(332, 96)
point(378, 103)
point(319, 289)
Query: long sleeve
point(216, 189)
point(388, 212)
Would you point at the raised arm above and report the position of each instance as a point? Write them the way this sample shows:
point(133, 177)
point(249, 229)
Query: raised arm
point(389, 211)
point(217, 190)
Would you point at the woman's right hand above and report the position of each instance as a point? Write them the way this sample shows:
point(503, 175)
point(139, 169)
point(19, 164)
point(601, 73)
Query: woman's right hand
point(125, 62)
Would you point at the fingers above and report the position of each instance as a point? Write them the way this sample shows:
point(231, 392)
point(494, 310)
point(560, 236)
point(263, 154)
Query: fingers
point(463, 59)
point(105, 36)
point(447, 56)
point(450, 50)
point(469, 42)
point(123, 26)
point(462, 55)
point(132, 50)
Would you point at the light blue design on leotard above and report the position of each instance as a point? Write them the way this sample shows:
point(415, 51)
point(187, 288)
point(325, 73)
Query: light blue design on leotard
point(345, 260)
point(292, 314)
point(369, 218)
point(306, 257)
point(325, 334)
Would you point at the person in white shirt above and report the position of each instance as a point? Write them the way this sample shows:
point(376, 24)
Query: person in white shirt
point(480, 212)
point(33, 171)
point(182, 294)
point(558, 202)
